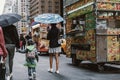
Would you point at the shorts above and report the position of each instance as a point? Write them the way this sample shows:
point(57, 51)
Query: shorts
point(55, 50)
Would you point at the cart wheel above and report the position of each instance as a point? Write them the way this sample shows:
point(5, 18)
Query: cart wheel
point(100, 68)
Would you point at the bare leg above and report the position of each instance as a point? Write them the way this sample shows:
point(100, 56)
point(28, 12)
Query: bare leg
point(51, 60)
point(57, 61)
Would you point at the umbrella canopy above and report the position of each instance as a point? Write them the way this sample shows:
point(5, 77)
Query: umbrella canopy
point(8, 19)
point(48, 18)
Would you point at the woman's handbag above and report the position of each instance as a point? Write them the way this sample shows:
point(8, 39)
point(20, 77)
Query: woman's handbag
point(60, 41)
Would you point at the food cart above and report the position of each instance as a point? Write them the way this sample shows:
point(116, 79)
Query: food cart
point(93, 31)
point(39, 35)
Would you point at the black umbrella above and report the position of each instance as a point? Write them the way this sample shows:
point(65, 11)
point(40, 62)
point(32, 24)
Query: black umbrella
point(9, 18)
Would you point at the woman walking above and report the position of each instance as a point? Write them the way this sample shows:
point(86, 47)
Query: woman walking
point(22, 42)
point(11, 42)
point(54, 46)
point(3, 55)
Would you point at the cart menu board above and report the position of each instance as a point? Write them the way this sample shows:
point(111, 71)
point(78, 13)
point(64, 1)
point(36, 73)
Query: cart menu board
point(89, 42)
point(79, 8)
point(90, 21)
point(108, 5)
point(113, 45)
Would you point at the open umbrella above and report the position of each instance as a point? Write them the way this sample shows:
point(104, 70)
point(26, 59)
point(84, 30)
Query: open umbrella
point(48, 18)
point(9, 18)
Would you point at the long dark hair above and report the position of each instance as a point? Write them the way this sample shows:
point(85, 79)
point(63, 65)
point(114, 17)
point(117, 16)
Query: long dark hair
point(53, 26)
point(54, 32)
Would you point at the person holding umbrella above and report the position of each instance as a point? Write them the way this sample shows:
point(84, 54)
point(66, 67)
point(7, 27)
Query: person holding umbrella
point(11, 40)
point(22, 42)
point(53, 36)
point(54, 46)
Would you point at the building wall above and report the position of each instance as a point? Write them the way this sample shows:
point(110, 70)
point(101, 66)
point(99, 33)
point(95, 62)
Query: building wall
point(11, 7)
point(8, 7)
point(44, 6)
point(23, 10)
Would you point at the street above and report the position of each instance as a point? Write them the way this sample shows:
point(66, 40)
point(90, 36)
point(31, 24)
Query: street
point(67, 70)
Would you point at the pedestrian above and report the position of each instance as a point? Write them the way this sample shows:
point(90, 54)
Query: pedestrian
point(3, 55)
point(28, 37)
point(11, 40)
point(22, 42)
point(31, 58)
point(54, 46)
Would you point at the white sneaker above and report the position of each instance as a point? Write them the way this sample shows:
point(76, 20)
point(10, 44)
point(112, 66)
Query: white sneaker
point(30, 77)
point(11, 74)
point(8, 77)
point(50, 70)
point(57, 71)
point(34, 75)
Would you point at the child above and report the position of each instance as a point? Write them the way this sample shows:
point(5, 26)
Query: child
point(31, 57)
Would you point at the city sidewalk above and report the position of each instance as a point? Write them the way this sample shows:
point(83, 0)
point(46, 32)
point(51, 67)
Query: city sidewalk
point(67, 70)
point(113, 65)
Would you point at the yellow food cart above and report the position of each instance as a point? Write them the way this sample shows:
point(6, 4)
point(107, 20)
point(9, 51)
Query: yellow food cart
point(39, 33)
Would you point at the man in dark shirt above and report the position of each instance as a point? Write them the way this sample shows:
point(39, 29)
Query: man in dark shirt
point(11, 40)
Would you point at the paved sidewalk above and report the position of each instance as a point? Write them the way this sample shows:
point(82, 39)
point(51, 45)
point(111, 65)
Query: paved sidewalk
point(113, 65)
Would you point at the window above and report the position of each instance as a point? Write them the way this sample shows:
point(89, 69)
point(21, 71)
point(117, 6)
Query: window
point(57, 3)
point(49, 2)
point(42, 1)
point(49, 10)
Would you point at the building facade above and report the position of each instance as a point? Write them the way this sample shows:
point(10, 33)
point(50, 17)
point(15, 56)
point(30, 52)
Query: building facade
point(23, 10)
point(20, 7)
point(45, 6)
point(9, 6)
